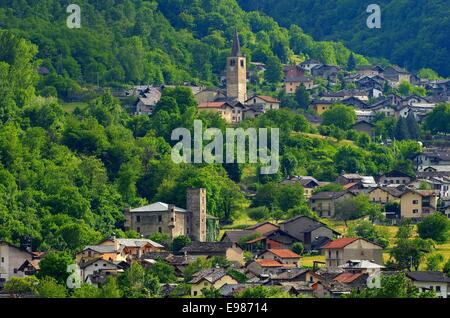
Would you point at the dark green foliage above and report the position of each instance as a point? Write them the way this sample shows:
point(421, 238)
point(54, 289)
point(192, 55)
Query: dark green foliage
point(302, 97)
point(413, 34)
point(435, 227)
point(179, 242)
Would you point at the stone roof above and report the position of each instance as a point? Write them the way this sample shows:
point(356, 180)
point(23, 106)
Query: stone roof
point(156, 207)
point(328, 195)
point(207, 247)
point(428, 276)
point(211, 275)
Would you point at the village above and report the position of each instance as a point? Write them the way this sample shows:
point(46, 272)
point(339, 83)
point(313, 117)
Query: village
point(272, 253)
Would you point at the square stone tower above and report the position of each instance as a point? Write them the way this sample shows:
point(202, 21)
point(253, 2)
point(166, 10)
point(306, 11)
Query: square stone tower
point(196, 204)
point(237, 72)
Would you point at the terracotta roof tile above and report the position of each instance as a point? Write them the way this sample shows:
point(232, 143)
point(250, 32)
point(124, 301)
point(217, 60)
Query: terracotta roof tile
point(269, 263)
point(347, 277)
point(284, 253)
point(341, 243)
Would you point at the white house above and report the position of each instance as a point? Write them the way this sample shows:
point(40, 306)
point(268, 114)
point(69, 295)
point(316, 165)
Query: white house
point(428, 280)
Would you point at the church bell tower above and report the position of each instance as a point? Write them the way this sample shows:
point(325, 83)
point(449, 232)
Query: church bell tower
point(237, 72)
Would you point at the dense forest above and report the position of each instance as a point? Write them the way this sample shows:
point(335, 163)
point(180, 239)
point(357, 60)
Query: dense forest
point(152, 42)
point(413, 34)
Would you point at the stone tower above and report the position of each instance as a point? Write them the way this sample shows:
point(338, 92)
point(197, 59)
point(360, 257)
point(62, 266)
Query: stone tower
point(196, 204)
point(236, 72)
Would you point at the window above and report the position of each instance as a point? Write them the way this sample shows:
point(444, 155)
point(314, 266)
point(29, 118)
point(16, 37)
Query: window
point(242, 63)
point(159, 218)
point(415, 211)
point(3, 259)
point(329, 254)
point(195, 293)
point(138, 229)
point(415, 202)
point(232, 62)
point(138, 219)
point(438, 289)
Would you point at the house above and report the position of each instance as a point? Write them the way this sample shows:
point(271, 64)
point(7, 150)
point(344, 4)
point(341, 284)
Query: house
point(345, 94)
point(354, 102)
point(209, 95)
point(133, 248)
point(428, 280)
point(147, 100)
point(395, 177)
point(364, 126)
point(330, 289)
point(291, 84)
point(268, 102)
point(346, 178)
point(230, 111)
point(230, 251)
point(440, 184)
point(385, 195)
point(325, 71)
point(433, 160)
point(293, 71)
point(284, 256)
point(274, 239)
point(29, 268)
point(171, 220)
point(369, 83)
point(263, 228)
point(308, 183)
point(324, 203)
point(295, 275)
point(100, 267)
point(342, 250)
point(309, 64)
point(310, 232)
point(396, 75)
point(210, 278)
point(321, 106)
point(416, 204)
point(106, 252)
point(362, 266)
point(369, 70)
point(237, 236)
point(11, 259)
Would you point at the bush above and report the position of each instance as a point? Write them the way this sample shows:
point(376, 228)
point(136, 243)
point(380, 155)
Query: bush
point(435, 227)
point(259, 213)
point(298, 248)
point(180, 242)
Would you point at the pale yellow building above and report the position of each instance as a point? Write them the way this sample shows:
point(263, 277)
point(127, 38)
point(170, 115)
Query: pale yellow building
point(210, 278)
point(385, 195)
point(232, 113)
point(416, 204)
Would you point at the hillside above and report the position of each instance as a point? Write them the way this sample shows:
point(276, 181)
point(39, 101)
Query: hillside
point(413, 34)
point(150, 42)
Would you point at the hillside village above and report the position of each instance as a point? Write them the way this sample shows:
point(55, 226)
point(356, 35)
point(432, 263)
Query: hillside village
point(271, 252)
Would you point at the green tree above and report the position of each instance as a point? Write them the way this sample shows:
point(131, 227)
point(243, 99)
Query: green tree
point(297, 248)
point(435, 227)
point(164, 272)
point(434, 262)
point(48, 287)
point(351, 64)
point(54, 265)
point(21, 286)
point(413, 127)
point(179, 242)
point(341, 116)
point(438, 121)
point(410, 252)
point(302, 97)
point(274, 70)
point(401, 130)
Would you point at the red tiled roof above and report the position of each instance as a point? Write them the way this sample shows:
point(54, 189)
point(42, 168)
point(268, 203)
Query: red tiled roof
point(284, 253)
point(347, 277)
point(269, 263)
point(341, 243)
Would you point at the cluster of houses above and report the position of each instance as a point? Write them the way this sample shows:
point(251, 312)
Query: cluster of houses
point(350, 263)
point(234, 103)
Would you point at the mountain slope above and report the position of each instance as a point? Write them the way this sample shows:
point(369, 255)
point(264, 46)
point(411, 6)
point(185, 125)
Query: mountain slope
point(414, 33)
point(141, 42)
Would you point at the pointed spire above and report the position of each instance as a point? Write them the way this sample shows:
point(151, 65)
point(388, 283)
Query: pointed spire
point(236, 50)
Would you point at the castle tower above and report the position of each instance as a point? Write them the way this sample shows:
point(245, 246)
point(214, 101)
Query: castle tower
point(237, 72)
point(196, 204)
